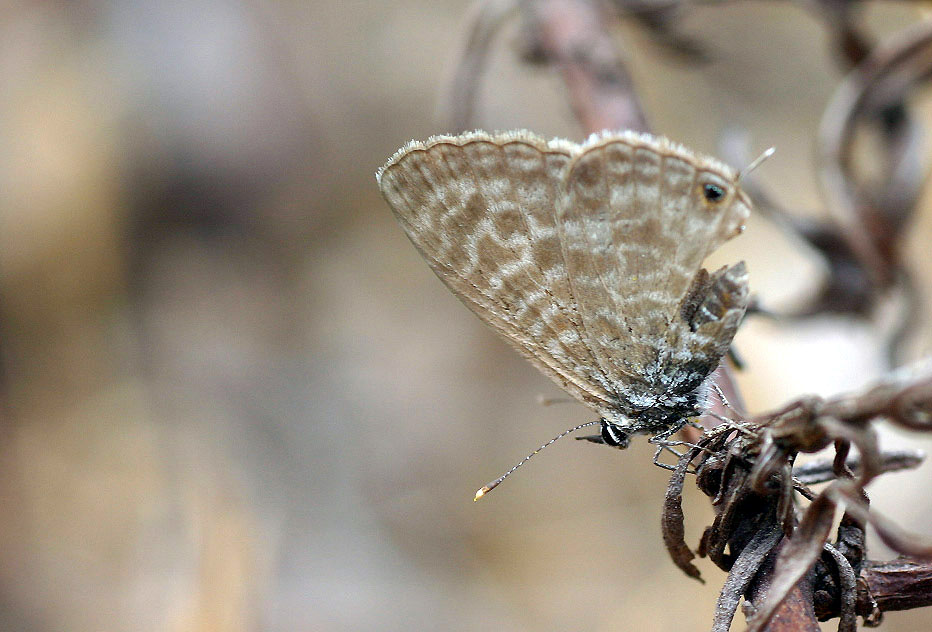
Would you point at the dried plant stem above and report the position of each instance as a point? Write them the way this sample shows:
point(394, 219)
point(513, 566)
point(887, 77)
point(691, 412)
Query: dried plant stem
point(900, 584)
point(571, 34)
point(795, 613)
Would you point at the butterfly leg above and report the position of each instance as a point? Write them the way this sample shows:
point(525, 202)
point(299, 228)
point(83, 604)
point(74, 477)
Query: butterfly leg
point(658, 463)
point(672, 468)
point(723, 399)
point(671, 444)
point(662, 441)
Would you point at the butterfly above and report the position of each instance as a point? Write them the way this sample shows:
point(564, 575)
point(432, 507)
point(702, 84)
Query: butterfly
point(586, 258)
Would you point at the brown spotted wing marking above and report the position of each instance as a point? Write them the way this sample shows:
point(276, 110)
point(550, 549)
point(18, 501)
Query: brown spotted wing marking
point(586, 258)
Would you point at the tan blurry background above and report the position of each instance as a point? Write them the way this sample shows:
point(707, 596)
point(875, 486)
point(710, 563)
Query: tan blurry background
point(234, 398)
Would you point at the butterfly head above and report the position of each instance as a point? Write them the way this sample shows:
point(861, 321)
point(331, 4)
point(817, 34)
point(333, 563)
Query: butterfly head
point(722, 189)
point(720, 194)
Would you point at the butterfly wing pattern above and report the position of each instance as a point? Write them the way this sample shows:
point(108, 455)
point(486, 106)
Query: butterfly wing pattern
point(586, 258)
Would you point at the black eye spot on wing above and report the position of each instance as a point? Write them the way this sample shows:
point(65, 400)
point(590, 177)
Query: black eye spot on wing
point(713, 192)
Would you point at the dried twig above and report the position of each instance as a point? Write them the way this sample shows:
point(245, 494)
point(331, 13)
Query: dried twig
point(483, 23)
point(745, 469)
point(571, 35)
point(860, 245)
point(871, 215)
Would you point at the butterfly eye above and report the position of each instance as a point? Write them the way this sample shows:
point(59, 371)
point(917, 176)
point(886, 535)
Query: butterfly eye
point(713, 192)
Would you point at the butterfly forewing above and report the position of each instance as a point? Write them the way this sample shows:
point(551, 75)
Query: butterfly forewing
point(484, 219)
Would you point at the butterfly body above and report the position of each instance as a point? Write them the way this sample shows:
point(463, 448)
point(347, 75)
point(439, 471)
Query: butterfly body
point(585, 258)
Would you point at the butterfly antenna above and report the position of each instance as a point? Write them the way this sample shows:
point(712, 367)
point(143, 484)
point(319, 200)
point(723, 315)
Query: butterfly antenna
point(756, 163)
point(485, 489)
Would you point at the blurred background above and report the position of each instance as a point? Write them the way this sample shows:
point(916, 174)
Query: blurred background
point(232, 395)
